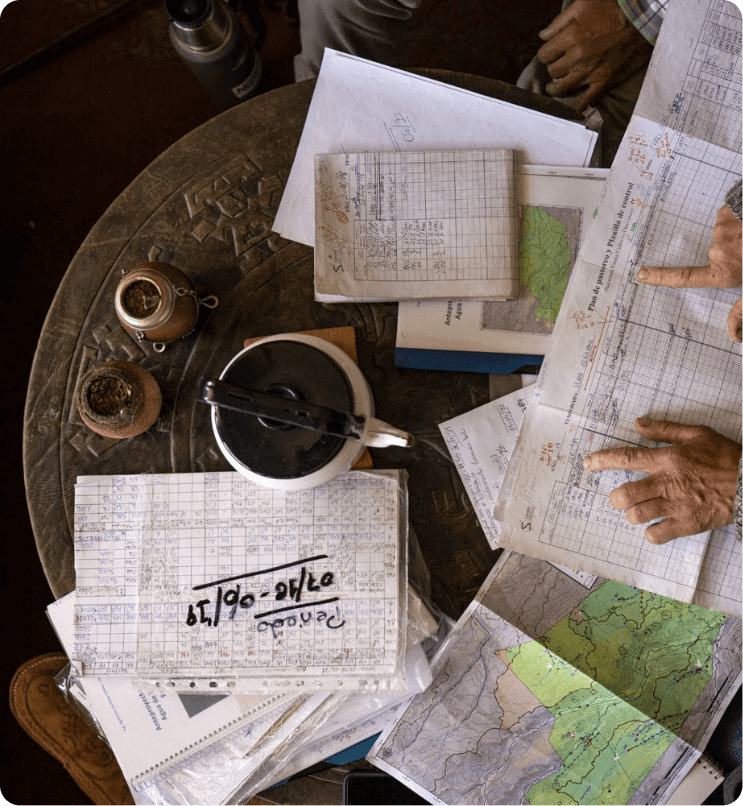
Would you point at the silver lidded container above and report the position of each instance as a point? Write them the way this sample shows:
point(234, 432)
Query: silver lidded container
point(158, 303)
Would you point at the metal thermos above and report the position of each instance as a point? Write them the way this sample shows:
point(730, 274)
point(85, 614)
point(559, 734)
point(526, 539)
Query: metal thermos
point(209, 38)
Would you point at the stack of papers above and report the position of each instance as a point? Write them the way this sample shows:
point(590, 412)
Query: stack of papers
point(185, 748)
point(581, 687)
point(210, 581)
point(222, 626)
point(560, 685)
point(622, 349)
point(242, 617)
point(377, 238)
point(360, 106)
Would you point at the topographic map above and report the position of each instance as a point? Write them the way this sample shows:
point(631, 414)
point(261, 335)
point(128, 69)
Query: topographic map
point(548, 245)
point(555, 693)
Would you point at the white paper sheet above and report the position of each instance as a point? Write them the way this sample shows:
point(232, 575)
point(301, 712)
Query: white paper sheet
point(362, 106)
point(481, 442)
point(622, 350)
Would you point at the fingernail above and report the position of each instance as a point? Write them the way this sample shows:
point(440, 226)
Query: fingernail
point(644, 421)
point(643, 274)
point(587, 463)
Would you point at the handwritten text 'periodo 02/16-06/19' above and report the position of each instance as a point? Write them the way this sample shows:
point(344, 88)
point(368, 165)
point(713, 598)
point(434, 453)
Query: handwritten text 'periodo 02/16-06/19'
point(290, 590)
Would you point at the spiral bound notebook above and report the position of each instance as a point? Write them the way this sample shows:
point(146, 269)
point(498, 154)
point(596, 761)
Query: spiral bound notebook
point(148, 731)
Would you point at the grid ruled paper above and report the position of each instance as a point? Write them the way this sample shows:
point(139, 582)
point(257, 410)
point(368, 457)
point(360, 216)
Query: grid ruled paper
point(622, 349)
point(209, 574)
point(413, 225)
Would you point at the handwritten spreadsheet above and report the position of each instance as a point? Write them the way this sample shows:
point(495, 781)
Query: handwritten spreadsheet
point(416, 224)
point(621, 349)
point(209, 574)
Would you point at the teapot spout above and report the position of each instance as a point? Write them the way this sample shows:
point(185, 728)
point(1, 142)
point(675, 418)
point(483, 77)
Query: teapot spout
point(382, 435)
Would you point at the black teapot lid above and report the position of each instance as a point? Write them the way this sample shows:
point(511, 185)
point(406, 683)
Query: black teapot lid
point(296, 371)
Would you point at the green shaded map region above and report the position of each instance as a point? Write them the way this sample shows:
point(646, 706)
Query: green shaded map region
point(544, 260)
point(556, 693)
point(619, 674)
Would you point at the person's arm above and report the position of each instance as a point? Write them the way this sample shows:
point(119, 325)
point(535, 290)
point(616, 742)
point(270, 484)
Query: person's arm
point(734, 200)
point(592, 46)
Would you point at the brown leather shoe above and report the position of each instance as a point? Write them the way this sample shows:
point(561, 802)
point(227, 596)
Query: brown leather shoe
point(55, 724)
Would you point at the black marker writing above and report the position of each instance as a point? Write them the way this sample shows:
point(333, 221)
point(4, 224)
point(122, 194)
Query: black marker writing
point(258, 573)
point(296, 607)
point(304, 619)
point(232, 599)
point(291, 590)
point(294, 591)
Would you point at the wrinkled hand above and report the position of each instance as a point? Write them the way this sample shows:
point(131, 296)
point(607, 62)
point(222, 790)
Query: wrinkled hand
point(591, 44)
point(691, 484)
point(724, 269)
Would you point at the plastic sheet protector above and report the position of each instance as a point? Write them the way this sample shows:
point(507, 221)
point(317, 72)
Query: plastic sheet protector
point(151, 731)
point(209, 580)
point(622, 350)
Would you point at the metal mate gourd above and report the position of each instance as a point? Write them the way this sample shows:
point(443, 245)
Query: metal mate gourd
point(158, 303)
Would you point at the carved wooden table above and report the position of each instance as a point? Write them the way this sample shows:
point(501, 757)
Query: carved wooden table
point(207, 206)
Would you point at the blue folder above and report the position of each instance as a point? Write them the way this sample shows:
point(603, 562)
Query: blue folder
point(466, 361)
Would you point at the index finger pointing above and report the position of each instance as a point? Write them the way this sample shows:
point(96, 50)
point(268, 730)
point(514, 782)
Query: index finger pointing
point(678, 276)
point(642, 459)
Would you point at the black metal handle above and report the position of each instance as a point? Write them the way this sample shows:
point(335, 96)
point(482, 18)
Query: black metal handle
point(282, 409)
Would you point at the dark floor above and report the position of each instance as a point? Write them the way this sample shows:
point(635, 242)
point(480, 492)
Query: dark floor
point(88, 101)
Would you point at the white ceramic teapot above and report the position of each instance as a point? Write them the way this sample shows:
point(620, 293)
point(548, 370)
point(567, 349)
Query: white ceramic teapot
point(293, 411)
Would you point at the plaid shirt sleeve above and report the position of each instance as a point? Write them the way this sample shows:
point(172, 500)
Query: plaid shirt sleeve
point(645, 15)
